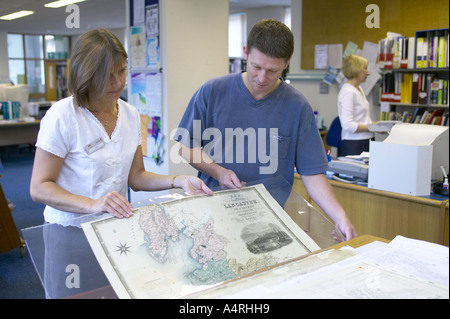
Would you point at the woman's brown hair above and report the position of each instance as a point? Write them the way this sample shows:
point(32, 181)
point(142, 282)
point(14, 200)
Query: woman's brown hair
point(94, 56)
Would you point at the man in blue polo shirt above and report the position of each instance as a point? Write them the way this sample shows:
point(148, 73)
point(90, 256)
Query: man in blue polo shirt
point(244, 127)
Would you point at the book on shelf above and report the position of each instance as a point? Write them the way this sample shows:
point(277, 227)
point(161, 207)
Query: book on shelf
point(418, 116)
point(422, 98)
point(406, 88)
point(421, 48)
point(427, 49)
point(432, 49)
point(434, 116)
point(445, 92)
point(414, 88)
point(388, 87)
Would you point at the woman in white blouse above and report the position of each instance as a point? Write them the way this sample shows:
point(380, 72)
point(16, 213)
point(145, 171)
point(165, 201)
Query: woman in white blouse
point(89, 144)
point(353, 108)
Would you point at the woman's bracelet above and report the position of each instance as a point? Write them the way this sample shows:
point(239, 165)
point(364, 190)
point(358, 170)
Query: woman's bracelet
point(173, 180)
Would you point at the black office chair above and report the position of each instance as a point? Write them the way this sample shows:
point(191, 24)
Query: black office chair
point(333, 137)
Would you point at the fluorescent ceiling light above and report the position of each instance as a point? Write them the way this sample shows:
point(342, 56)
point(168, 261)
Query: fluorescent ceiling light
point(61, 3)
point(16, 15)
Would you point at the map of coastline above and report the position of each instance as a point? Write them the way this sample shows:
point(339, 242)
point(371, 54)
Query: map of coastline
point(207, 247)
point(175, 248)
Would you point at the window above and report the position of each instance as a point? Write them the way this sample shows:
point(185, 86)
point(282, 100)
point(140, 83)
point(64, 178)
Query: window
point(16, 58)
point(237, 32)
point(26, 59)
point(34, 64)
point(237, 35)
point(56, 47)
point(287, 17)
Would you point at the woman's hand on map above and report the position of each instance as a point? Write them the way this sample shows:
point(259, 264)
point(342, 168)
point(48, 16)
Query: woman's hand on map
point(115, 204)
point(191, 185)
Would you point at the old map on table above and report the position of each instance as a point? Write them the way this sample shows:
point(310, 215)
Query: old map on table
point(183, 246)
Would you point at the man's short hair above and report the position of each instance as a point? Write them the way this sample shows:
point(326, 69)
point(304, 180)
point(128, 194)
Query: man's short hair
point(272, 38)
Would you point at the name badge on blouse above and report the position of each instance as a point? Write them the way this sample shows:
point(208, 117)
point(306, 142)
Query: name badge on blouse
point(94, 146)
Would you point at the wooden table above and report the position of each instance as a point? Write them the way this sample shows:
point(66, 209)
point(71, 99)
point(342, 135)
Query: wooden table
point(15, 133)
point(358, 242)
point(386, 215)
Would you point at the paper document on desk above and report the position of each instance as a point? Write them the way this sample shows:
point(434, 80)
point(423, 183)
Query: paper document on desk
point(416, 257)
point(183, 246)
point(403, 269)
point(382, 126)
point(362, 158)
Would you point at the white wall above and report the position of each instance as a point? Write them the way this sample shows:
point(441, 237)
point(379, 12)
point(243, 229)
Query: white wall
point(272, 12)
point(194, 49)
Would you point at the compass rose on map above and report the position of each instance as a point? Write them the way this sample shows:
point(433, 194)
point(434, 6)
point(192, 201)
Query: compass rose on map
point(123, 248)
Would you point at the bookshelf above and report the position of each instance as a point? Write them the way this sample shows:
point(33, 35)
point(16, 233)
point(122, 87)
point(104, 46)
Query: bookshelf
point(415, 75)
point(56, 73)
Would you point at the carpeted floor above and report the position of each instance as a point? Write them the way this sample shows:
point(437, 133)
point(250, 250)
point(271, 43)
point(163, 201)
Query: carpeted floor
point(18, 277)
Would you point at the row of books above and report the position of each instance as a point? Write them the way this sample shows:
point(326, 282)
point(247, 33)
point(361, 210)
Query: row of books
point(396, 53)
point(432, 49)
point(419, 116)
point(428, 49)
point(414, 88)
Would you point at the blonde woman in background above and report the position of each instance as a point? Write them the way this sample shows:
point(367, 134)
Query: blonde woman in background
point(353, 108)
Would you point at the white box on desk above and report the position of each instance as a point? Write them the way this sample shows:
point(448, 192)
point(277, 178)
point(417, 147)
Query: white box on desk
point(400, 168)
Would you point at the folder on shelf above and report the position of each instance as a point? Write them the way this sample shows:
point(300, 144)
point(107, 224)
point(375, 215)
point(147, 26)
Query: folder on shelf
point(419, 47)
point(406, 88)
point(411, 52)
point(415, 88)
point(441, 53)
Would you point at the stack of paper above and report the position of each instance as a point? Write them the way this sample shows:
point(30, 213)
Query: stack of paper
point(405, 268)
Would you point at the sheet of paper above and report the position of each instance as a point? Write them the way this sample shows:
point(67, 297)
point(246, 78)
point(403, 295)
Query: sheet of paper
point(419, 258)
point(180, 247)
point(351, 48)
point(146, 93)
point(403, 269)
point(153, 57)
point(138, 47)
point(321, 56)
point(152, 20)
point(372, 79)
point(138, 12)
point(370, 52)
point(335, 55)
point(363, 281)
point(330, 76)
